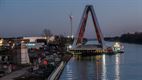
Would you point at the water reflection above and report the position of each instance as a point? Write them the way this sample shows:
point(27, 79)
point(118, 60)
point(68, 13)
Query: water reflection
point(104, 75)
point(92, 68)
point(117, 67)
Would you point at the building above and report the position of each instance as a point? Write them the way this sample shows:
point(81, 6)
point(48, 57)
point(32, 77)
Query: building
point(34, 39)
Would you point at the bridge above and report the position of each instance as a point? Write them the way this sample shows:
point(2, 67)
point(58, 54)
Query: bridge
point(77, 44)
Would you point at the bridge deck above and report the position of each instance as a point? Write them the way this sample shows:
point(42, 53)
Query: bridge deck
point(88, 49)
point(85, 49)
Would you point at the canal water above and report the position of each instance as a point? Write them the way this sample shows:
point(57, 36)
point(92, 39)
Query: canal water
point(125, 66)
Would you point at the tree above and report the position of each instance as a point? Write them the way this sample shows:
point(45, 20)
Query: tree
point(47, 33)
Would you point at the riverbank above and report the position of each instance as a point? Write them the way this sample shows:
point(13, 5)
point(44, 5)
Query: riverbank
point(47, 72)
point(55, 75)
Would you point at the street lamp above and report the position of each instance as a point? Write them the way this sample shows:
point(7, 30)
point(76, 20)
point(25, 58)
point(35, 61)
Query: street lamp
point(71, 17)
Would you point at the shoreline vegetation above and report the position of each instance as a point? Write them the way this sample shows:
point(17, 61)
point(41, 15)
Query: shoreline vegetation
point(134, 38)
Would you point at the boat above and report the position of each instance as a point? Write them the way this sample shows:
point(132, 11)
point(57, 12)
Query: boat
point(118, 47)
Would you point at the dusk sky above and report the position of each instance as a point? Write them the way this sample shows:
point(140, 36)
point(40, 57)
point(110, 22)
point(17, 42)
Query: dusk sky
point(30, 17)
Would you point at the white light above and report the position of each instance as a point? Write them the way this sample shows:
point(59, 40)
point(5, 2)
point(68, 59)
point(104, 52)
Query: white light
point(70, 46)
point(68, 36)
point(52, 38)
point(30, 44)
point(1, 42)
point(117, 45)
point(22, 41)
point(72, 36)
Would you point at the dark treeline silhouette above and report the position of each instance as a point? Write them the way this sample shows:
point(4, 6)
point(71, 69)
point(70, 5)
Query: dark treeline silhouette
point(127, 38)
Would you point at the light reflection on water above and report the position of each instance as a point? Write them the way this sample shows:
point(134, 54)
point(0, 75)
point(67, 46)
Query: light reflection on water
point(117, 67)
point(127, 66)
point(104, 76)
point(91, 68)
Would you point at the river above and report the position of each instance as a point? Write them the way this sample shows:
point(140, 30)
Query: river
point(125, 66)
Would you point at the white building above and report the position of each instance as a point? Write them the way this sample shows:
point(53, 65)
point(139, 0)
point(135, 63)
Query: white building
point(33, 39)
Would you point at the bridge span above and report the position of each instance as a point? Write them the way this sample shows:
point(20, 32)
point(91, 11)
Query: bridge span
point(77, 44)
point(99, 48)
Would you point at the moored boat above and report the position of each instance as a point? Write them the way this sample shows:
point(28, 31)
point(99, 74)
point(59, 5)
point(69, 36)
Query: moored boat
point(118, 47)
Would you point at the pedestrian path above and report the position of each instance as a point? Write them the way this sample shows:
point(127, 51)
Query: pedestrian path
point(15, 74)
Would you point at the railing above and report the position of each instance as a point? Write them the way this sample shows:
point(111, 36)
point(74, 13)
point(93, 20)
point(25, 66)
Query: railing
point(56, 73)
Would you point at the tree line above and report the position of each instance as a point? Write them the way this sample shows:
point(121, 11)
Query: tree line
point(127, 38)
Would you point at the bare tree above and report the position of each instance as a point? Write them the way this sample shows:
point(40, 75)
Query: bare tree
point(47, 33)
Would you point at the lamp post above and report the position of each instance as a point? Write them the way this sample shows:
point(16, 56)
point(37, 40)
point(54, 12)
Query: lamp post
point(71, 17)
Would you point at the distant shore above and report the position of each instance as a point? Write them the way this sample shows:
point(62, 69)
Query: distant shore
point(134, 38)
